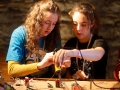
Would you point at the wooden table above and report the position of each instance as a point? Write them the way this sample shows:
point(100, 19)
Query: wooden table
point(41, 84)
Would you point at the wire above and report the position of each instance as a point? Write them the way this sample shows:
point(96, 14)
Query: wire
point(102, 87)
point(52, 76)
point(92, 81)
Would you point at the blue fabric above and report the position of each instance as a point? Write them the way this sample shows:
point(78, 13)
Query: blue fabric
point(16, 46)
point(16, 50)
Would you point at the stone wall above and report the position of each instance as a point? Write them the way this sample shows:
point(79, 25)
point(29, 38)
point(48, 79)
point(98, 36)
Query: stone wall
point(12, 13)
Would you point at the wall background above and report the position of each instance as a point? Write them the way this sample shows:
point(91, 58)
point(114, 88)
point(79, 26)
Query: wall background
point(12, 13)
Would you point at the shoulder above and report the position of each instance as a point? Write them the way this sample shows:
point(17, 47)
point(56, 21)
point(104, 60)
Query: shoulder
point(97, 37)
point(18, 36)
point(99, 41)
point(19, 33)
point(20, 30)
point(16, 44)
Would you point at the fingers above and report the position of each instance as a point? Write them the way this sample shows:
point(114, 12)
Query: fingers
point(57, 57)
point(60, 58)
point(49, 54)
point(71, 53)
point(66, 64)
point(47, 60)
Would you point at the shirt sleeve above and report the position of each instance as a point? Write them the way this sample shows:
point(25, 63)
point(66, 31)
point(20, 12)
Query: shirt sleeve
point(17, 70)
point(16, 45)
point(100, 42)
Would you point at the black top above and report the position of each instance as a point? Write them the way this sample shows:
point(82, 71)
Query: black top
point(96, 69)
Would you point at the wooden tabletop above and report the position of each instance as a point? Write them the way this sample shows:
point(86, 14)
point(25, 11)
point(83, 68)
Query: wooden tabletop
point(41, 84)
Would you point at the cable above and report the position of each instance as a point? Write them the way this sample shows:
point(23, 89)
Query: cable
point(92, 81)
point(52, 76)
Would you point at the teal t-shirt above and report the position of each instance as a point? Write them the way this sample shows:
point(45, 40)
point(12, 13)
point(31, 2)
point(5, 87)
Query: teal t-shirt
point(17, 50)
point(16, 45)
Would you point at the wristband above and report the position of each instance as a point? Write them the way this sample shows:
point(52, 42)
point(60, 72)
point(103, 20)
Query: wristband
point(81, 54)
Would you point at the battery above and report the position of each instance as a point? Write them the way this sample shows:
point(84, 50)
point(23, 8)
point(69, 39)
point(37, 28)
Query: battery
point(76, 86)
point(57, 82)
point(27, 81)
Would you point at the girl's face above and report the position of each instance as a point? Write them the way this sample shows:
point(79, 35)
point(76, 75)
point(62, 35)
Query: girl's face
point(48, 24)
point(81, 26)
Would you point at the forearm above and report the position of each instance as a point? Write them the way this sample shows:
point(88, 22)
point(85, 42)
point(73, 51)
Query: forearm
point(17, 70)
point(93, 54)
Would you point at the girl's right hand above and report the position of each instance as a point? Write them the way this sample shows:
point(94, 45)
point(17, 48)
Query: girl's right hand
point(47, 61)
point(62, 55)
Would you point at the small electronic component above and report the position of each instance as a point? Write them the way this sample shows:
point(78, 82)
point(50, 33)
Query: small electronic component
point(76, 86)
point(57, 82)
point(49, 85)
point(27, 81)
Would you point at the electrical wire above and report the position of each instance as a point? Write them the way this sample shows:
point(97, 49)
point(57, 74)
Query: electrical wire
point(92, 81)
point(52, 76)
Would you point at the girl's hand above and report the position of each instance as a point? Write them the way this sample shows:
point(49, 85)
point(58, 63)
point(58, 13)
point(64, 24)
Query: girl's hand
point(62, 55)
point(66, 63)
point(47, 61)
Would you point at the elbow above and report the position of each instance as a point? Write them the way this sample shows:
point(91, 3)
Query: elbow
point(98, 56)
point(11, 73)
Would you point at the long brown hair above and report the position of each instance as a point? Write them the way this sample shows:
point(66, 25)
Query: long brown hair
point(33, 25)
point(90, 12)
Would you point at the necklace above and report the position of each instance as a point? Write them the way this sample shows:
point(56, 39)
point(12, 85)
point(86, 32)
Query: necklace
point(42, 51)
point(87, 48)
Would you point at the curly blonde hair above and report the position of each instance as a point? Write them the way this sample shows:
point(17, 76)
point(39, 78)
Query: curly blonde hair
point(33, 26)
point(90, 12)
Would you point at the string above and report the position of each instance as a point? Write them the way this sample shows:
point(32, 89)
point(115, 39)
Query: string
point(52, 76)
point(81, 53)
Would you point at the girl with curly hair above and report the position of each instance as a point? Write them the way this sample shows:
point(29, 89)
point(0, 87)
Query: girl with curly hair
point(38, 36)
